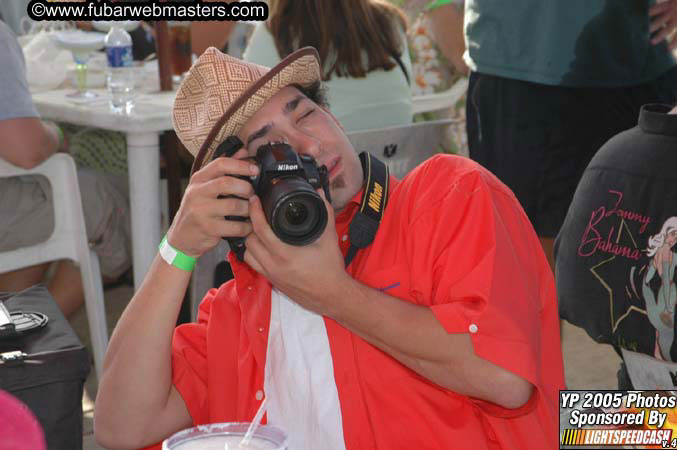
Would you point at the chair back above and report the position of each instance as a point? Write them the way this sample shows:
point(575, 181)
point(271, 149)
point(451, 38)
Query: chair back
point(60, 171)
point(67, 241)
point(402, 147)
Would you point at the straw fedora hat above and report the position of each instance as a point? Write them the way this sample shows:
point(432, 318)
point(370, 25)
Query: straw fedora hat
point(221, 93)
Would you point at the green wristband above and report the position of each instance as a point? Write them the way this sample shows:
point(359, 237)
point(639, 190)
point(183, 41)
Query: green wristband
point(176, 257)
point(59, 133)
point(437, 3)
point(61, 137)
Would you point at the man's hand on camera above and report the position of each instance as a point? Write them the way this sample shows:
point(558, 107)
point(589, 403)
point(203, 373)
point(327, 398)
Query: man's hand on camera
point(199, 224)
point(303, 273)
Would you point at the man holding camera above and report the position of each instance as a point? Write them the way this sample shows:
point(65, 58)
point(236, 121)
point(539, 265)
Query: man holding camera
point(432, 326)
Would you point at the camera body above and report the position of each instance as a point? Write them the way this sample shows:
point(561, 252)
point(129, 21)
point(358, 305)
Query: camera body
point(287, 184)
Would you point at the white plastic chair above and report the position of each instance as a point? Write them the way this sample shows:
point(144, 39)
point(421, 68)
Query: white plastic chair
point(68, 241)
point(440, 100)
point(401, 147)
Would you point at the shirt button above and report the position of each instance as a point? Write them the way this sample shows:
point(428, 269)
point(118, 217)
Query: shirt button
point(260, 329)
point(249, 288)
point(344, 237)
point(259, 395)
point(472, 328)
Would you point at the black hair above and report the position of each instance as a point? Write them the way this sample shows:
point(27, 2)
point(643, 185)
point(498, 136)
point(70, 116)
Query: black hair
point(316, 92)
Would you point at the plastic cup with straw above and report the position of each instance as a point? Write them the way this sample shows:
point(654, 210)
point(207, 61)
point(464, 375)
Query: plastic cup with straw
point(246, 439)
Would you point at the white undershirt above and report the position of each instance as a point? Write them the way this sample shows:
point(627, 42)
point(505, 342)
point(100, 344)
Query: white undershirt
point(299, 378)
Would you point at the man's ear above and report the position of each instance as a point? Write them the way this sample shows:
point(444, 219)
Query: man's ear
point(333, 117)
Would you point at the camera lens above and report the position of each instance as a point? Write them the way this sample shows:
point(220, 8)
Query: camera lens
point(296, 213)
point(297, 216)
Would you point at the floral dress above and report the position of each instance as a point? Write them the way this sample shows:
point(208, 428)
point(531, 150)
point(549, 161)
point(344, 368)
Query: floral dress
point(432, 72)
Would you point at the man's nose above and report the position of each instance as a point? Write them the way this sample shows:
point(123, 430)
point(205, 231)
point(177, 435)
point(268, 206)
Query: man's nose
point(306, 144)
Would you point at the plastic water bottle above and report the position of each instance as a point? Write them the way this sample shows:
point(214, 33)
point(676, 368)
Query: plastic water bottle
point(120, 79)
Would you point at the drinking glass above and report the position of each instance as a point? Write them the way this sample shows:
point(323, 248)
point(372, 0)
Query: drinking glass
point(181, 50)
point(220, 436)
point(81, 57)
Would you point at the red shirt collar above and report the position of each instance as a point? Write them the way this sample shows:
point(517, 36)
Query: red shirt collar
point(343, 218)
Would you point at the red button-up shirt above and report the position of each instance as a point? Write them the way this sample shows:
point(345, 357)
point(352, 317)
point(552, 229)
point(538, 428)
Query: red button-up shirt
point(454, 239)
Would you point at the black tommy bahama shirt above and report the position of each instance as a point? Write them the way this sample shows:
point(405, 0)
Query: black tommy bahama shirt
point(615, 253)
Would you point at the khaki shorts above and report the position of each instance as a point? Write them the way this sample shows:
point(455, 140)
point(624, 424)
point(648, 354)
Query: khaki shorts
point(27, 216)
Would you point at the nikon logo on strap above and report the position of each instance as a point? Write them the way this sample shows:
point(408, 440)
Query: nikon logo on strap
point(366, 221)
point(375, 197)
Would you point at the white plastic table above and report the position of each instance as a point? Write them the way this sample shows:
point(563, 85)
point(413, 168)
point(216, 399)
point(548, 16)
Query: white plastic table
point(151, 116)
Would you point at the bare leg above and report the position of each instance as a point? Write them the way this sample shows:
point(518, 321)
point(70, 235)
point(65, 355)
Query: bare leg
point(447, 26)
point(66, 287)
point(548, 248)
point(21, 279)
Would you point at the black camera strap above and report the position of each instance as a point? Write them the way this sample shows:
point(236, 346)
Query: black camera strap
point(365, 224)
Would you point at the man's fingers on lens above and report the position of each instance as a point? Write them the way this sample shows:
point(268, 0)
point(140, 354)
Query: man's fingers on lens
point(258, 219)
point(330, 209)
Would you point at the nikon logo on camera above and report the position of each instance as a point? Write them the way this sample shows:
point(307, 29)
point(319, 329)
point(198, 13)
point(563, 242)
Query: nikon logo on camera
point(375, 197)
point(287, 167)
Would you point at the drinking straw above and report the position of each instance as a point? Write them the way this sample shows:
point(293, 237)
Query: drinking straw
point(255, 423)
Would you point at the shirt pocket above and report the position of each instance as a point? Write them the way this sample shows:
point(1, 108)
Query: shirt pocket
point(393, 280)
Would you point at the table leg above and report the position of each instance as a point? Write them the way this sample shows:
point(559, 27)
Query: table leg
point(144, 196)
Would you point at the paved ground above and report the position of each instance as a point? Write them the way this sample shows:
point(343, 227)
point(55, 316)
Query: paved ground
point(588, 365)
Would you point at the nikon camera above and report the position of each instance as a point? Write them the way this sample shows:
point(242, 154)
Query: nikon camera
point(286, 185)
